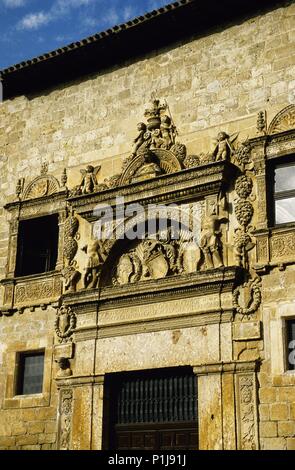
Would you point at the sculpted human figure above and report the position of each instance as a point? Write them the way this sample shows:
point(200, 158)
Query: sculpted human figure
point(224, 149)
point(95, 262)
point(139, 140)
point(167, 131)
point(89, 181)
point(210, 243)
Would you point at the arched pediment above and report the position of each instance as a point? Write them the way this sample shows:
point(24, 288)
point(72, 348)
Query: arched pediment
point(43, 185)
point(283, 121)
point(161, 161)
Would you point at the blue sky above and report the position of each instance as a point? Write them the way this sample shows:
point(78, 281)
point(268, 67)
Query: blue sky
point(31, 27)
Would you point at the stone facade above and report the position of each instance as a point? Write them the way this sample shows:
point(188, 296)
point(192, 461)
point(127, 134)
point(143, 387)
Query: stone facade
point(107, 308)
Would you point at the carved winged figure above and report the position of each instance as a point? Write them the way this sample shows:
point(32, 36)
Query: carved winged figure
point(89, 181)
point(224, 146)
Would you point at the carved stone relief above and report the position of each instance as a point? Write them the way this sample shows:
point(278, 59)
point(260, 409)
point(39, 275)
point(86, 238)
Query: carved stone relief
point(43, 185)
point(31, 291)
point(283, 245)
point(283, 121)
point(65, 323)
point(71, 271)
point(66, 409)
point(247, 414)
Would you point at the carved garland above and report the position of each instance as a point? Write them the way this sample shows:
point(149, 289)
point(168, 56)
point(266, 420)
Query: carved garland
point(247, 297)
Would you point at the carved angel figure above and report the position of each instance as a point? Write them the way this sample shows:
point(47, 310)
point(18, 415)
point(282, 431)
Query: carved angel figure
point(89, 181)
point(224, 146)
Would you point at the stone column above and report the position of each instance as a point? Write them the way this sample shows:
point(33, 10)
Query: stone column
point(80, 413)
point(227, 406)
point(97, 417)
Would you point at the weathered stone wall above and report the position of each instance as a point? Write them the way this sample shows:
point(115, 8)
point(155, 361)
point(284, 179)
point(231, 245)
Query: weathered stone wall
point(214, 83)
point(28, 422)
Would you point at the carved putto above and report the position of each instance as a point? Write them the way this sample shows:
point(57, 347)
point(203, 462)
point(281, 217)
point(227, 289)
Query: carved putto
point(88, 182)
point(224, 146)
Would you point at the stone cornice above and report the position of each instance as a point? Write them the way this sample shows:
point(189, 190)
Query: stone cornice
point(184, 185)
point(38, 202)
point(226, 367)
point(211, 281)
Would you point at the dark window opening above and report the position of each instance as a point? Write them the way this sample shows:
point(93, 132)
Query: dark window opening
point(290, 346)
point(37, 245)
point(30, 373)
point(283, 192)
point(152, 409)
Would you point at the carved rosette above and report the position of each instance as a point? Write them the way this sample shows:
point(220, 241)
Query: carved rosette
point(247, 421)
point(65, 323)
point(65, 409)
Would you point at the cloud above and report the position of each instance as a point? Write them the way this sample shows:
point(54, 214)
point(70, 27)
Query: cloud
point(60, 8)
point(33, 21)
point(14, 3)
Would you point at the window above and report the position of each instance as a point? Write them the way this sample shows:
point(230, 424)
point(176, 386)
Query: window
point(30, 373)
point(37, 245)
point(284, 192)
point(290, 346)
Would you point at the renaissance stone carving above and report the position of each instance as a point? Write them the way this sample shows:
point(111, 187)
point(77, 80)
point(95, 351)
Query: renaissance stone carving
point(283, 245)
point(156, 258)
point(43, 185)
point(247, 412)
point(66, 406)
point(283, 121)
point(247, 297)
point(243, 208)
point(96, 258)
point(70, 272)
point(64, 367)
point(210, 242)
point(32, 291)
point(261, 122)
point(224, 146)
point(242, 156)
point(88, 182)
point(65, 323)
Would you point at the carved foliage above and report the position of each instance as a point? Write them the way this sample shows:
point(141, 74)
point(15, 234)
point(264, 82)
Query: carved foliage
point(65, 323)
point(66, 405)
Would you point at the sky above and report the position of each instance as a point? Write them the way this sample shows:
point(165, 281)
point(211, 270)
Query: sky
point(29, 28)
